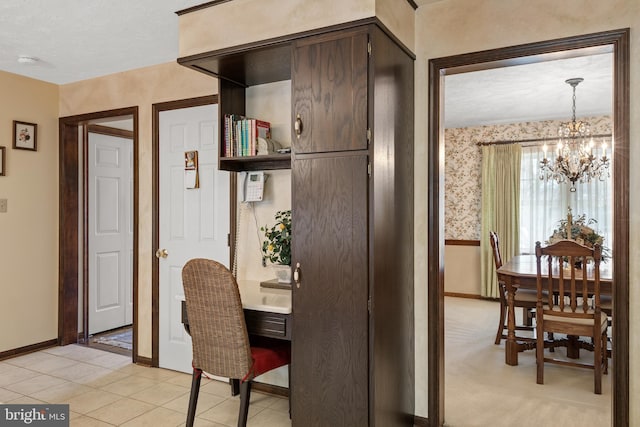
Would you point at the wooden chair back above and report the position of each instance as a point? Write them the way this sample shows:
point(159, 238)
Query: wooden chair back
point(495, 247)
point(568, 259)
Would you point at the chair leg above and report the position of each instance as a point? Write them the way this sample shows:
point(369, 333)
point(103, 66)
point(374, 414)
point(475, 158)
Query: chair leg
point(526, 316)
point(605, 355)
point(245, 394)
point(193, 398)
point(503, 312)
point(539, 352)
point(597, 363)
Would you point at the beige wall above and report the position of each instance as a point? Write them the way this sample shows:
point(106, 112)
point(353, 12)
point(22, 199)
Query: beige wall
point(462, 270)
point(245, 21)
point(29, 229)
point(451, 27)
point(142, 88)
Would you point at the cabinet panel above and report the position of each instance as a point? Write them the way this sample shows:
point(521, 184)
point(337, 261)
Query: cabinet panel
point(329, 81)
point(330, 341)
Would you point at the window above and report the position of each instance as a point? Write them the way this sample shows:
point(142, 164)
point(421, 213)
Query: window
point(544, 203)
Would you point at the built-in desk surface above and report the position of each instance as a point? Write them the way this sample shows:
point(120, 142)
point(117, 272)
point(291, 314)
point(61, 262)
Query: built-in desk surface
point(267, 311)
point(256, 297)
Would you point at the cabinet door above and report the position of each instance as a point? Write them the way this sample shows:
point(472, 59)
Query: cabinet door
point(330, 326)
point(329, 98)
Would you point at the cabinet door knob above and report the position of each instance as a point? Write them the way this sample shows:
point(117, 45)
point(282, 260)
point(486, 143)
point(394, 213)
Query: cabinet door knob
point(297, 126)
point(296, 275)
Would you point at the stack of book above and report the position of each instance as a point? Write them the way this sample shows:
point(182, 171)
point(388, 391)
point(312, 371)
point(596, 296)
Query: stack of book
point(241, 135)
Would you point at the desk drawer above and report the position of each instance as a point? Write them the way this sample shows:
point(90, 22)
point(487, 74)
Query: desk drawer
point(274, 325)
point(266, 324)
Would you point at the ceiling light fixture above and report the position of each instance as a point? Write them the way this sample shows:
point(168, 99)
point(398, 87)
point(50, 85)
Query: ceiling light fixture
point(574, 160)
point(26, 59)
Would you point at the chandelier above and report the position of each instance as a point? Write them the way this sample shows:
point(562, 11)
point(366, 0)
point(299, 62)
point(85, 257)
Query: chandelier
point(574, 155)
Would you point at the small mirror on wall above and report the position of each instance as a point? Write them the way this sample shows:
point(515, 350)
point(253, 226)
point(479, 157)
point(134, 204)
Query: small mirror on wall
point(24, 135)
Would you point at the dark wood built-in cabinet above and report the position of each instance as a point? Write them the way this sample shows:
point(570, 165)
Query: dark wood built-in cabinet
point(352, 209)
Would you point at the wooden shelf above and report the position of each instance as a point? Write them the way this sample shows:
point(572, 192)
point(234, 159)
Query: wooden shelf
point(245, 67)
point(256, 163)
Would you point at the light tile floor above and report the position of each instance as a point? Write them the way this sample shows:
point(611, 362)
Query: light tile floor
point(106, 389)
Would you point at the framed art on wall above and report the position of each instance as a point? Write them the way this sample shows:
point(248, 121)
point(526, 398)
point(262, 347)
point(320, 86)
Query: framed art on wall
point(24, 135)
point(2, 156)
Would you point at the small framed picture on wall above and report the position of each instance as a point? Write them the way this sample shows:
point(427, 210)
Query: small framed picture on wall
point(2, 161)
point(24, 135)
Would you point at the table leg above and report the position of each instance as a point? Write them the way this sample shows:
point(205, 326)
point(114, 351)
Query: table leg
point(573, 347)
point(511, 346)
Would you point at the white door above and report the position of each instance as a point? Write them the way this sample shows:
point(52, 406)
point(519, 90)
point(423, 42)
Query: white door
point(194, 223)
point(110, 227)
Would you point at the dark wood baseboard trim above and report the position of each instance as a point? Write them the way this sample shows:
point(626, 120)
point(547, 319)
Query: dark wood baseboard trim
point(420, 421)
point(461, 295)
point(452, 242)
point(28, 349)
point(145, 361)
point(270, 389)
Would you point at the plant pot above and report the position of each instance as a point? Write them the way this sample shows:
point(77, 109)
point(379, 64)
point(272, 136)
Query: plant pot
point(283, 273)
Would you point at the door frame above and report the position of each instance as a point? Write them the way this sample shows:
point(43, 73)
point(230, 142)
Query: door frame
point(616, 41)
point(155, 221)
point(69, 203)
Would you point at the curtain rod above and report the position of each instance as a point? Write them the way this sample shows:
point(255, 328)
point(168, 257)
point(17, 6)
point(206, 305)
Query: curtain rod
point(533, 141)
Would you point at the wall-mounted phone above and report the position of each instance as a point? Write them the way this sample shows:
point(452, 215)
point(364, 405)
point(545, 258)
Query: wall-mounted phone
point(253, 187)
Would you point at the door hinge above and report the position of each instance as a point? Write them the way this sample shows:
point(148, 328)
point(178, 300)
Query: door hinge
point(369, 169)
point(369, 48)
point(369, 304)
point(229, 240)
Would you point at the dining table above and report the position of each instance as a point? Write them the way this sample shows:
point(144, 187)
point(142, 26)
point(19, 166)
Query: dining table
point(520, 272)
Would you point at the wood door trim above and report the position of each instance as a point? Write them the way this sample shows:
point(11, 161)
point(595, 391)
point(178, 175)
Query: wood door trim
point(618, 40)
point(155, 203)
point(69, 163)
point(110, 131)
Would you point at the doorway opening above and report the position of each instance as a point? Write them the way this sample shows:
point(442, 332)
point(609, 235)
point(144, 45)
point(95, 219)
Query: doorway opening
point(119, 340)
point(616, 41)
point(76, 267)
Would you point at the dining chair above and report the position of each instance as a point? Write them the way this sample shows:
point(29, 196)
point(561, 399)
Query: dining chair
point(525, 298)
point(220, 341)
point(572, 312)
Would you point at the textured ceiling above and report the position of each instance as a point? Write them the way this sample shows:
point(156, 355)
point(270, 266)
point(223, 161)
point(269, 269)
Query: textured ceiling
point(529, 92)
point(80, 39)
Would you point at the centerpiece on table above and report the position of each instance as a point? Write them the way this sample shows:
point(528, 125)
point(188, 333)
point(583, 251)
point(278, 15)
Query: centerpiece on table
point(277, 246)
point(579, 230)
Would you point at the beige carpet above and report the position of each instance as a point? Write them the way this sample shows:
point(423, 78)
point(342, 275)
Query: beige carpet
point(481, 390)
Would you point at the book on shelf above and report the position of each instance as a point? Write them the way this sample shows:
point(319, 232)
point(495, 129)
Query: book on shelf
point(241, 135)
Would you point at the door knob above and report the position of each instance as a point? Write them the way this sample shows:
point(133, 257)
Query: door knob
point(161, 253)
point(297, 126)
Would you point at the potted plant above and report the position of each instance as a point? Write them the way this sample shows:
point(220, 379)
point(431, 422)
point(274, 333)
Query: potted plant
point(579, 230)
point(276, 248)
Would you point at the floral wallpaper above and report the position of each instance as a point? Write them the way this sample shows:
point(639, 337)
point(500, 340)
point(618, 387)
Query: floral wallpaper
point(463, 167)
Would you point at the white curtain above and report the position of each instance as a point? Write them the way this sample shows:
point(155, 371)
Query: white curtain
point(544, 203)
